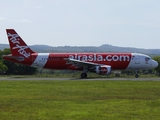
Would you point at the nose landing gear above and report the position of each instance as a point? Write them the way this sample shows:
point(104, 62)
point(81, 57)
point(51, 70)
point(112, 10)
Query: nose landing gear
point(136, 75)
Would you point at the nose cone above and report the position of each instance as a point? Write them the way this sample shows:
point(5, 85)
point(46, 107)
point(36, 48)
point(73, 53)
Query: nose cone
point(154, 63)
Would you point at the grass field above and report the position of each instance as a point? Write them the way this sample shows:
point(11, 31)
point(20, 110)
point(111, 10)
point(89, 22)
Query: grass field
point(79, 100)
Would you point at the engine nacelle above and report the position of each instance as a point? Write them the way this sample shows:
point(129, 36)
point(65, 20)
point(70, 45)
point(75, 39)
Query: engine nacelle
point(103, 70)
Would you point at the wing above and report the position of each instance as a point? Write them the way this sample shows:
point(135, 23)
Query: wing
point(80, 64)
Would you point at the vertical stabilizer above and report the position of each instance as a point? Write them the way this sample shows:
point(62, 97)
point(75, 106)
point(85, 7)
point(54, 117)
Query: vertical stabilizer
point(17, 45)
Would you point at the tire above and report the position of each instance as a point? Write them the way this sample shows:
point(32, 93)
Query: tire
point(83, 75)
point(136, 76)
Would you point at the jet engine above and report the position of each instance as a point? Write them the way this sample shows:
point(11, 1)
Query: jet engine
point(103, 70)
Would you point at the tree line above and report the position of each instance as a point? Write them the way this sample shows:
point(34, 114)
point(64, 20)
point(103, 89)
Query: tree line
point(10, 68)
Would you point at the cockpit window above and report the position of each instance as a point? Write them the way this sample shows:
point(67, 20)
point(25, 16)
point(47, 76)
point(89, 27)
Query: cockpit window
point(147, 58)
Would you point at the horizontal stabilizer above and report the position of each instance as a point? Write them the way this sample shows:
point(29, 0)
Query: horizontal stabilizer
point(18, 58)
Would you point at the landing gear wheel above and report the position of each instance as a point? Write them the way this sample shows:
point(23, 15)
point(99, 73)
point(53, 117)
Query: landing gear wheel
point(136, 76)
point(83, 75)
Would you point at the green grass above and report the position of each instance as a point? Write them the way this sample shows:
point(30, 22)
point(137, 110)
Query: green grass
point(79, 100)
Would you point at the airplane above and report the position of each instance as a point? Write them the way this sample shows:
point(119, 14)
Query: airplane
point(100, 63)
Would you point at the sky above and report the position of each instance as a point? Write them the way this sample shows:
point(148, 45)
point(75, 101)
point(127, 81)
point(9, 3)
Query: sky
point(124, 23)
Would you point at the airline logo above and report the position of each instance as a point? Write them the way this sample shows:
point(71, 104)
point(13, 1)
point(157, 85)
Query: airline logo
point(15, 40)
point(98, 57)
point(103, 70)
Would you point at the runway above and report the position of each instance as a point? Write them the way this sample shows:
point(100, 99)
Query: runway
point(87, 79)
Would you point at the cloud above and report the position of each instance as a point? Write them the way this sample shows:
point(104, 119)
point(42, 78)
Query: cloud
point(26, 21)
point(149, 24)
point(15, 20)
point(146, 24)
point(22, 21)
point(3, 18)
point(37, 6)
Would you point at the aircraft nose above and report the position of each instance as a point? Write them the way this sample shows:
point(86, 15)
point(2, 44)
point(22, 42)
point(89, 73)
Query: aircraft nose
point(154, 63)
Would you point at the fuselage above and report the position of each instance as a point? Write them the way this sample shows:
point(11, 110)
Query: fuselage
point(117, 61)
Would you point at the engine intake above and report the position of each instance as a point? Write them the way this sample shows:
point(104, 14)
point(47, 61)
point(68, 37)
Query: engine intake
point(103, 70)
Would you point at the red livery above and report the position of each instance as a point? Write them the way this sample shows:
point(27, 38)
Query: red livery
point(100, 63)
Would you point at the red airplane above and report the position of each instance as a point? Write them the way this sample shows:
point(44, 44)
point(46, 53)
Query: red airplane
point(100, 63)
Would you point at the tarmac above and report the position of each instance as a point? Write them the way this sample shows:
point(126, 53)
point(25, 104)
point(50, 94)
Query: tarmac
point(87, 79)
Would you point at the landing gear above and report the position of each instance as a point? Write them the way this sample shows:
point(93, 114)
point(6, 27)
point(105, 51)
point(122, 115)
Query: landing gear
point(136, 75)
point(83, 75)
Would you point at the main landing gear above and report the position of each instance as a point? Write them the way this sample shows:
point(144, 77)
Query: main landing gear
point(83, 75)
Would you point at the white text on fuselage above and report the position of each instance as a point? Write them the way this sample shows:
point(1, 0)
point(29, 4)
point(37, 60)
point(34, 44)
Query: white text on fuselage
point(21, 49)
point(98, 57)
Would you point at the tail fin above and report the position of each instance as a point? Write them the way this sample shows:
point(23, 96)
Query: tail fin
point(17, 45)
